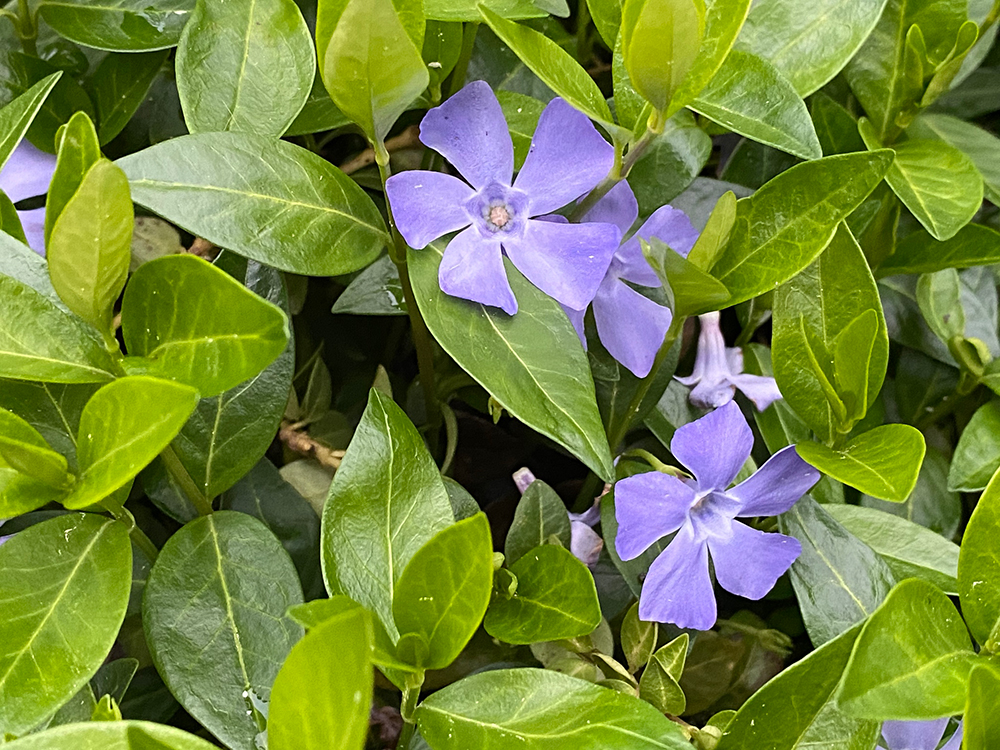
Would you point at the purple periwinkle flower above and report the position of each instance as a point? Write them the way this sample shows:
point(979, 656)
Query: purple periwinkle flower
point(702, 511)
point(919, 735)
point(568, 157)
point(718, 372)
point(27, 174)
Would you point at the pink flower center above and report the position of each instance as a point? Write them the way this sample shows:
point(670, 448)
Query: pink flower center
point(499, 216)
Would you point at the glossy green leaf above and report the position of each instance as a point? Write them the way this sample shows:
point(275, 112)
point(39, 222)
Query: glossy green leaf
point(89, 248)
point(658, 684)
point(754, 164)
point(24, 449)
point(930, 504)
point(638, 639)
point(981, 722)
point(919, 252)
point(322, 695)
point(119, 25)
point(912, 659)
point(538, 709)
point(16, 117)
point(939, 296)
point(787, 223)
point(116, 735)
point(79, 150)
point(245, 66)
point(836, 128)
point(715, 236)
point(555, 598)
point(809, 43)
point(65, 586)
point(444, 590)
point(123, 427)
point(10, 222)
point(193, 323)
point(540, 515)
point(749, 96)
point(375, 291)
point(531, 363)
point(38, 341)
point(269, 200)
point(691, 291)
point(521, 113)
point(319, 113)
point(796, 710)
point(119, 86)
point(607, 18)
point(936, 181)
point(838, 579)
point(981, 146)
point(386, 501)
point(910, 550)
point(53, 410)
point(214, 618)
point(978, 566)
point(670, 164)
point(977, 454)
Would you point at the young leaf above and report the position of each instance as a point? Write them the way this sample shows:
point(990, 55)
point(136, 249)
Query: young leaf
point(691, 290)
point(244, 65)
point(638, 639)
point(978, 569)
point(113, 735)
point(79, 150)
point(659, 682)
point(539, 515)
point(64, 587)
point(939, 296)
point(120, 25)
point(119, 86)
point(982, 147)
point(977, 454)
point(16, 117)
point(24, 449)
point(715, 236)
point(981, 722)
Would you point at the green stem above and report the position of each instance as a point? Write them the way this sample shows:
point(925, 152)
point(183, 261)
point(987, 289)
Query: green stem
point(27, 29)
point(583, 49)
point(461, 69)
point(619, 171)
point(144, 543)
point(407, 708)
point(202, 505)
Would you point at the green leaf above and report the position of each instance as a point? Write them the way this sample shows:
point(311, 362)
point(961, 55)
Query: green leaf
point(116, 735)
point(936, 181)
point(982, 147)
point(809, 43)
point(658, 684)
point(660, 41)
point(715, 236)
point(531, 363)
point(119, 25)
point(53, 410)
point(838, 579)
point(230, 337)
point(939, 296)
point(375, 291)
point(245, 66)
point(38, 341)
point(468, 10)
point(919, 252)
point(319, 113)
point(88, 249)
point(754, 164)
point(796, 710)
point(930, 504)
point(638, 639)
point(444, 590)
point(370, 65)
point(555, 599)
point(782, 227)
point(836, 128)
point(10, 222)
point(670, 163)
point(750, 97)
point(521, 113)
point(910, 550)
point(65, 586)
point(556, 67)
point(24, 449)
point(912, 659)
point(538, 709)
point(883, 462)
point(977, 454)
point(322, 695)
point(123, 427)
point(607, 18)
point(224, 576)
point(540, 515)
point(119, 86)
point(16, 117)
point(978, 566)
point(981, 723)
point(691, 290)
point(386, 501)
point(270, 200)
point(79, 150)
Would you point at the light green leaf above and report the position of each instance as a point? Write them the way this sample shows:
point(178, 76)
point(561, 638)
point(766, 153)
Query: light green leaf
point(10, 222)
point(981, 721)
point(555, 599)
point(322, 695)
point(919, 252)
point(64, 587)
point(538, 709)
point(715, 236)
point(978, 568)
point(939, 296)
point(521, 113)
point(79, 150)
point(24, 449)
point(444, 590)
point(119, 86)
point(16, 117)
point(119, 25)
point(607, 18)
point(386, 501)
point(749, 96)
point(691, 291)
point(658, 684)
point(531, 363)
point(540, 515)
point(982, 147)
point(638, 639)
point(468, 10)
point(268, 200)
point(116, 735)
point(244, 65)
point(123, 427)
point(224, 576)
point(912, 659)
point(977, 454)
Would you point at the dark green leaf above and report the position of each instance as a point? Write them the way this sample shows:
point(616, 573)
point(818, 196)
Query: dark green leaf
point(16, 117)
point(978, 568)
point(119, 86)
point(919, 252)
point(670, 164)
point(375, 291)
point(754, 164)
point(638, 639)
point(521, 113)
point(318, 114)
point(24, 449)
point(930, 504)
point(119, 25)
point(540, 514)
point(977, 454)
point(53, 410)
point(836, 128)
point(658, 684)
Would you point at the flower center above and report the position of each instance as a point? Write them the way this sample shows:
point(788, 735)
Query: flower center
point(499, 216)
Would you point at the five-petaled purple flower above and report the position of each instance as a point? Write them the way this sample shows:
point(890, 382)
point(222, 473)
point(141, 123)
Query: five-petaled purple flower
point(630, 325)
point(702, 511)
point(568, 157)
point(919, 735)
point(718, 372)
point(27, 175)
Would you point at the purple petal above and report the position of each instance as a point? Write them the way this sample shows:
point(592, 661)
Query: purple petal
point(714, 447)
point(576, 317)
point(750, 562)
point(734, 358)
point(27, 173)
point(763, 391)
point(914, 735)
point(585, 543)
point(427, 205)
point(568, 157)
point(566, 261)
point(711, 394)
point(618, 207)
point(955, 741)
point(648, 507)
point(33, 224)
point(677, 588)
point(631, 327)
point(472, 268)
point(776, 486)
point(667, 224)
point(470, 131)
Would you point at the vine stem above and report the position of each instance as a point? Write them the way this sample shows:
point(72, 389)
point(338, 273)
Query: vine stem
point(195, 496)
point(26, 28)
point(411, 696)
